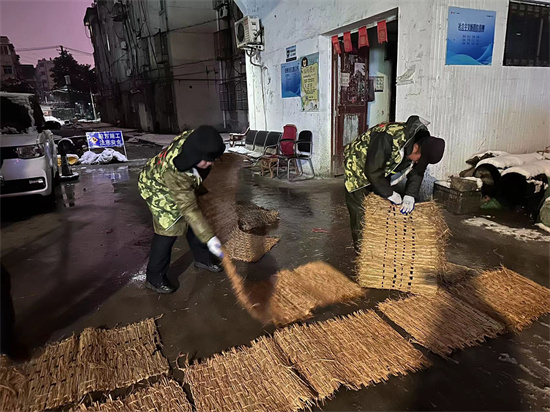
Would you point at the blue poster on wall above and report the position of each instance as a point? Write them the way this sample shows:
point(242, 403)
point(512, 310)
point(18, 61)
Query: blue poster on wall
point(470, 37)
point(290, 79)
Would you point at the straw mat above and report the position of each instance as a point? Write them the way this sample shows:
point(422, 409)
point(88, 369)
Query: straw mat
point(253, 217)
point(166, 395)
point(316, 284)
point(505, 296)
point(441, 323)
point(252, 378)
point(11, 384)
point(248, 247)
point(98, 360)
point(354, 351)
point(403, 252)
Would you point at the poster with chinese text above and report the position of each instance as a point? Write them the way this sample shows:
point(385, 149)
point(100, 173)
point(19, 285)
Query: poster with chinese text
point(470, 37)
point(310, 82)
point(290, 79)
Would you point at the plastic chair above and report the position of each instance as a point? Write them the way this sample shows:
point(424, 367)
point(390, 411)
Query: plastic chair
point(287, 150)
point(304, 150)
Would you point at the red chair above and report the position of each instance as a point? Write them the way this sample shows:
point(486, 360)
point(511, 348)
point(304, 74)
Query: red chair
point(287, 150)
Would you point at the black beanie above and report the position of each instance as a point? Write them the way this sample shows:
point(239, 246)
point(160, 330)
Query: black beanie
point(204, 143)
point(432, 149)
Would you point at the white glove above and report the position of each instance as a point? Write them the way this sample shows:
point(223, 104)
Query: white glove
point(408, 205)
point(395, 198)
point(215, 247)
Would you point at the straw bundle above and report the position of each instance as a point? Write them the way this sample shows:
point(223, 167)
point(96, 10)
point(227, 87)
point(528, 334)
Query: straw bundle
point(403, 252)
point(98, 360)
point(219, 205)
point(354, 351)
point(247, 247)
point(253, 217)
point(12, 382)
point(303, 289)
point(506, 296)
point(166, 395)
point(452, 273)
point(252, 378)
point(441, 323)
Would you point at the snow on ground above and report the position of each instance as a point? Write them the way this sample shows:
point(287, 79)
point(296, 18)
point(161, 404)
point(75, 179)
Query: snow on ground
point(518, 233)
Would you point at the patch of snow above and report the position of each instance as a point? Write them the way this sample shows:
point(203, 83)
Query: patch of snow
point(511, 160)
point(504, 357)
point(107, 156)
point(477, 180)
point(531, 169)
point(444, 183)
point(138, 278)
point(494, 153)
point(518, 234)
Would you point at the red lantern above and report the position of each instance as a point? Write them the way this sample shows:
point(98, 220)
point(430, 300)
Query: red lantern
point(363, 37)
point(382, 32)
point(348, 47)
point(336, 44)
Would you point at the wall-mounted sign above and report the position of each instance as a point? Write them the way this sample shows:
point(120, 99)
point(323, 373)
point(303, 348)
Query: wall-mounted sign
point(344, 79)
point(310, 82)
point(379, 83)
point(470, 37)
point(290, 79)
point(290, 53)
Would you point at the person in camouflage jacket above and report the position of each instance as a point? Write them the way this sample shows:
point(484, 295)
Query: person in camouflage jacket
point(168, 183)
point(380, 158)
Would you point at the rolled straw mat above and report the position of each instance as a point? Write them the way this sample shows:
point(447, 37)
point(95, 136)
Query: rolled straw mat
point(403, 252)
point(255, 378)
point(12, 383)
point(292, 295)
point(248, 247)
point(442, 322)
point(166, 395)
point(97, 360)
point(505, 296)
point(254, 217)
point(354, 351)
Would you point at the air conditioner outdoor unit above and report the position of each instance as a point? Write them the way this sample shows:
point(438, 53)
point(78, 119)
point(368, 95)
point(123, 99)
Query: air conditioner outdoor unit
point(247, 33)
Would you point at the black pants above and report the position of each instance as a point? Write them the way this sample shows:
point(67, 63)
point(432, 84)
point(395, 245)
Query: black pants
point(7, 315)
point(161, 252)
point(354, 202)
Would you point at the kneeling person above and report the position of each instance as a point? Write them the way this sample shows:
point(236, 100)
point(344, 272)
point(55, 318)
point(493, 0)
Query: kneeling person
point(168, 183)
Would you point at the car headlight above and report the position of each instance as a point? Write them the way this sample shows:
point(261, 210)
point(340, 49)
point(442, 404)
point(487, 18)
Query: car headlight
point(29, 152)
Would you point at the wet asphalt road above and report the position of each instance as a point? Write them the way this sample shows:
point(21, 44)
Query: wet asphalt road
point(81, 264)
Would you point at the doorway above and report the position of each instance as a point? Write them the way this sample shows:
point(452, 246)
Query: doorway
point(363, 89)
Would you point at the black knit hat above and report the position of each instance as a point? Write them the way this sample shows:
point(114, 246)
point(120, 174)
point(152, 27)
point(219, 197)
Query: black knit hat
point(204, 143)
point(432, 149)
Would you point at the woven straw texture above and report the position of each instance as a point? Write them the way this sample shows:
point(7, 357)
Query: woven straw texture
point(219, 205)
point(252, 378)
point(303, 289)
point(98, 360)
point(248, 247)
point(403, 252)
point(166, 395)
point(11, 384)
point(292, 295)
point(441, 323)
point(506, 296)
point(253, 217)
point(354, 351)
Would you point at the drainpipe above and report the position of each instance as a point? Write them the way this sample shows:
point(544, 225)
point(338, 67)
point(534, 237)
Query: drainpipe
point(222, 74)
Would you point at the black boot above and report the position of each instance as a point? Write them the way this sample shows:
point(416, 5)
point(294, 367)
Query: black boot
point(164, 286)
point(212, 267)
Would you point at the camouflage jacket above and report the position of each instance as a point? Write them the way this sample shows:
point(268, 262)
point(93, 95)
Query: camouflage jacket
point(170, 194)
point(378, 153)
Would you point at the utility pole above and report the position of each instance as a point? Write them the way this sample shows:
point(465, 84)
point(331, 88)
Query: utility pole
point(93, 105)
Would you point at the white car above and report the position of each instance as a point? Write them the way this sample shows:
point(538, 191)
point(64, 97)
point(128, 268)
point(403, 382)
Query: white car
point(28, 154)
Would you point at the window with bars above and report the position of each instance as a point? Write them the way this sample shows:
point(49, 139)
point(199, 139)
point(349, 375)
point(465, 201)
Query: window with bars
point(528, 35)
point(8, 69)
point(233, 95)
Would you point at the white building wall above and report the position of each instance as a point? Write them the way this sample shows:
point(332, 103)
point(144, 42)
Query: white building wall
point(473, 108)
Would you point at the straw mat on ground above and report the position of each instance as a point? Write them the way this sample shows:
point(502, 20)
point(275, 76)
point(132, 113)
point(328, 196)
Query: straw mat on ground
point(255, 217)
point(441, 323)
point(403, 252)
point(506, 296)
point(248, 247)
point(307, 287)
point(354, 351)
point(452, 273)
point(12, 382)
point(98, 360)
point(252, 378)
point(166, 395)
